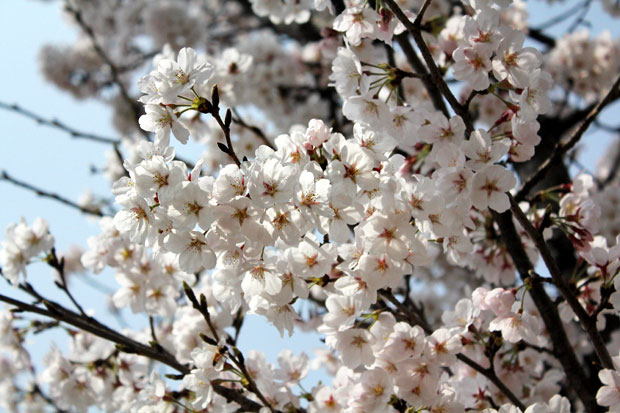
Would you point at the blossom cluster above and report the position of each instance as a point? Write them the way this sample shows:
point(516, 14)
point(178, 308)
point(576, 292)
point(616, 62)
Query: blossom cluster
point(21, 244)
point(585, 65)
point(265, 225)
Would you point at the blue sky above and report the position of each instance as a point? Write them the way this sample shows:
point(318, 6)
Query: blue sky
point(52, 160)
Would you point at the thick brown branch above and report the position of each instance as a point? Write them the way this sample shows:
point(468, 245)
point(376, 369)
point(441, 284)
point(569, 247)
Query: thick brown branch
point(577, 379)
point(562, 148)
point(541, 37)
point(418, 66)
point(125, 344)
point(588, 324)
point(416, 31)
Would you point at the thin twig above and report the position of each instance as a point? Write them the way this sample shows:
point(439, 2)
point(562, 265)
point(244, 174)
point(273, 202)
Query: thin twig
point(74, 133)
point(254, 129)
point(490, 374)
point(582, 16)
point(59, 266)
point(55, 123)
point(152, 328)
point(560, 18)
point(236, 356)
point(470, 98)
point(4, 176)
point(114, 71)
point(613, 169)
point(224, 124)
point(36, 389)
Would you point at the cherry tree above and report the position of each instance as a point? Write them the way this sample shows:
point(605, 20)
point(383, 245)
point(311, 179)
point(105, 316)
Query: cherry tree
point(391, 174)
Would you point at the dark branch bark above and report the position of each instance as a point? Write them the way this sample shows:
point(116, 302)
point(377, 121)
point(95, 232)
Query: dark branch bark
point(436, 75)
point(125, 344)
point(588, 324)
point(418, 66)
point(561, 149)
point(577, 379)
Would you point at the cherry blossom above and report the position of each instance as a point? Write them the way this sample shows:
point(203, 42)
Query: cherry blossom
point(340, 180)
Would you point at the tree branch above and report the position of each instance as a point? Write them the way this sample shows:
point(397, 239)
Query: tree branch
point(114, 71)
point(561, 149)
point(418, 66)
point(254, 129)
point(4, 176)
point(587, 323)
point(237, 358)
point(489, 373)
point(436, 75)
point(55, 123)
point(59, 266)
point(125, 344)
point(577, 379)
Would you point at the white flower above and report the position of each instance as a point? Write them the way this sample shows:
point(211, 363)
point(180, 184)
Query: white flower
point(199, 381)
point(516, 327)
point(312, 196)
point(178, 77)
point(134, 219)
point(292, 368)
point(230, 183)
point(373, 390)
point(365, 108)
point(443, 346)
point(259, 278)
point(534, 99)
point(514, 62)
point(405, 342)
point(191, 206)
point(473, 65)
point(342, 311)
point(357, 23)
point(489, 186)
point(354, 347)
point(482, 152)
point(241, 217)
point(193, 249)
point(161, 120)
point(35, 239)
point(609, 393)
point(271, 183)
point(346, 73)
point(155, 176)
